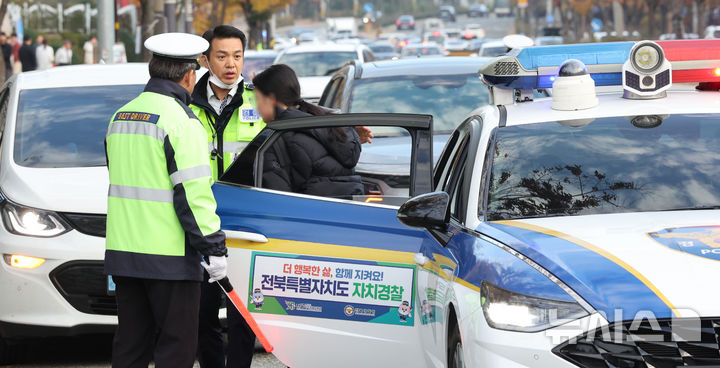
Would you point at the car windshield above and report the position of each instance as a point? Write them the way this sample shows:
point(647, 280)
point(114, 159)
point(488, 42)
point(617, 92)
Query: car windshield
point(313, 64)
point(66, 127)
point(449, 98)
point(421, 51)
point(254, 65)
point(608, 166)
point(381, 48)
point(492, 51)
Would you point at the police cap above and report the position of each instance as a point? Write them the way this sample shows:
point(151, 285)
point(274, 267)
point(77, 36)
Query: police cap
point(179, 47)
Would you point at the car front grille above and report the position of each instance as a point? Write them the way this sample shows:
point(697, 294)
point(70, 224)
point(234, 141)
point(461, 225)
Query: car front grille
point(647, 345)
point(84, 285)
point(87, 223)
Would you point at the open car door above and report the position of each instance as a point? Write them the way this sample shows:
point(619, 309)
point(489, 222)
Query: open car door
point(332, 281)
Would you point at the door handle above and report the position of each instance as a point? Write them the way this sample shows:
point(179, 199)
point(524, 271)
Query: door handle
point(244, 235)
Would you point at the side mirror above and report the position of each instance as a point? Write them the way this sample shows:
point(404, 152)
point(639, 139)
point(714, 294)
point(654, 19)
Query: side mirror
point(428, 211)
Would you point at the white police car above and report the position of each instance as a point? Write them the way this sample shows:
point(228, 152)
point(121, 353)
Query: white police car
point(581, 230)
point(53, 189)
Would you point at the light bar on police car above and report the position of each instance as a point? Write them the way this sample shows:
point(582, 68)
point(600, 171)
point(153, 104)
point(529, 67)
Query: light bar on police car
point(692, 61)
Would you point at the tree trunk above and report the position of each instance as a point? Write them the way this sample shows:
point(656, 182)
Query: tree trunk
point(702, 17)
point(148, 26)
point(223, 8)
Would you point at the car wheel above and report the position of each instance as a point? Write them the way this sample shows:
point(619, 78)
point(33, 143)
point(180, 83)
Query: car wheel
point(455, 355)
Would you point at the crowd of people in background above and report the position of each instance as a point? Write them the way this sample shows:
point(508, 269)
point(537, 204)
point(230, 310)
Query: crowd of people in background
point(27, 56)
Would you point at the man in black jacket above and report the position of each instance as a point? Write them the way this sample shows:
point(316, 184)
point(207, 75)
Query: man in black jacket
point(225, 106)
point(6, 53)
point(27, 55)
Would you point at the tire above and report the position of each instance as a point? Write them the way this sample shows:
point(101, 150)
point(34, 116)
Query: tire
point(455, 357)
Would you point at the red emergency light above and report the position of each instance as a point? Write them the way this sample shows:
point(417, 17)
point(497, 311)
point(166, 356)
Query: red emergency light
point(693, 61)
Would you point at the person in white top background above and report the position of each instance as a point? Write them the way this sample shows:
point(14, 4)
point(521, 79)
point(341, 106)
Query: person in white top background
point(44, 55)
point(89, 50)
point(63, 56)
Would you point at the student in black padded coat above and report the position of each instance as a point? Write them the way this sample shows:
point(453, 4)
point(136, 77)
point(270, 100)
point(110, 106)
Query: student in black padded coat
point(317, 161)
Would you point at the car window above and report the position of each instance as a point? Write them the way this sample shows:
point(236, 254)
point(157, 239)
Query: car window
point(368, 56)
point(424, 51)
point(313, 64)
point(66, 127)
point(382, 48)
point(611, 165)
point(4, 99)
point(448, 98)
point(330, 97)
point(444, 163)
point(455, 179)
point(253, 66)
point(330, 162)
point(339, 93)
point(493, 51)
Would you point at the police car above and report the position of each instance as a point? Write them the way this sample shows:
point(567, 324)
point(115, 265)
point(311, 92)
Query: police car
point(53, 200)
point(578, 230)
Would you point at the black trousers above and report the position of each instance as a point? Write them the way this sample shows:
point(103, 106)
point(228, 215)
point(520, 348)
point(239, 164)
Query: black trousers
point(157, 320)
point(241, 339)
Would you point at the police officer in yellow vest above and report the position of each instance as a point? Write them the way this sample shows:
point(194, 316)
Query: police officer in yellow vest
point(227, 109)
point(222, 101)
point(161, 217)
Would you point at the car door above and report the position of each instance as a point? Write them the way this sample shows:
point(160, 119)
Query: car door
point(331, 282)
point(440, 262)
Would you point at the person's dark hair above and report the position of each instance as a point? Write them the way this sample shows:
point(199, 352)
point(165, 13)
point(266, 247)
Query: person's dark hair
point(170, 70)
point(3, 34)
point(280, 80)
point(45, 42)
point(13, 34)
point(222, 32)
point(27, 38)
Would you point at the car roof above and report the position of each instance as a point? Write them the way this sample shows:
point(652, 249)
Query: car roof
point(85, 75)
point(419, 66)
point(612, 104)
point(322, 47)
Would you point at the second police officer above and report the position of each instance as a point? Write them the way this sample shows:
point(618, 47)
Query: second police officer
point(227, 108)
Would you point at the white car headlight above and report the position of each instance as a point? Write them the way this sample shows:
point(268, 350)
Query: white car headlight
point(28, 221)
point(507, 310)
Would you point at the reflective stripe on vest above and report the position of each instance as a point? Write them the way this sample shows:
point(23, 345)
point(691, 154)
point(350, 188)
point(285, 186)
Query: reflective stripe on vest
point(234, 147)
point(125, 127)
point(189, 174)
point(143, 194)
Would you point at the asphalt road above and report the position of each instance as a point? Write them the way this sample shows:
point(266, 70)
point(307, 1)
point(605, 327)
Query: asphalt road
point(93, 352)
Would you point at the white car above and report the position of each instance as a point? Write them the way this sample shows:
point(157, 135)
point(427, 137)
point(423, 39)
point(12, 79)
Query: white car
point(492, 49)
point(581, 230)
point(315, 64)
point(53, 183)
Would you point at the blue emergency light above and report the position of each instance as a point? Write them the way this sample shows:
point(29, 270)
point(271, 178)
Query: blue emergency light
point(532, 58)
point(534, 67)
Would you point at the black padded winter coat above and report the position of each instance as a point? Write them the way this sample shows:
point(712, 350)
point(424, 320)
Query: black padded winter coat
point(313, 161)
